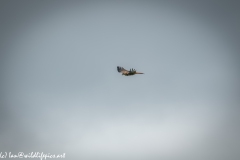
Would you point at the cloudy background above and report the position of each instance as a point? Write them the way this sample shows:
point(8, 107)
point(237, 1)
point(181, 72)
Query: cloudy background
point(60, 91)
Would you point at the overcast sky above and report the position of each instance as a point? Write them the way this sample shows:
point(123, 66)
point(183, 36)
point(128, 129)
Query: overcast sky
point(61, 92)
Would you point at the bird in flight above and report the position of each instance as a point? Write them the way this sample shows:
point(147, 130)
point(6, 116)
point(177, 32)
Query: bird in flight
point(126, 72)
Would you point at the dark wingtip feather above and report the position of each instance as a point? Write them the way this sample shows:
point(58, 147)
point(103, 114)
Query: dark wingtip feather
point(118, 69)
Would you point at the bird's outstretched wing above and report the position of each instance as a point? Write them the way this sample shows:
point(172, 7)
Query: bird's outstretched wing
point(122, 70)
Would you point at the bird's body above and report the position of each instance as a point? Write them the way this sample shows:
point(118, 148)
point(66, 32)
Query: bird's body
point(126, 72)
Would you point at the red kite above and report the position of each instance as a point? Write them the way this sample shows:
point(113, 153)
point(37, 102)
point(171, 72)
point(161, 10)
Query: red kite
point(126, 72)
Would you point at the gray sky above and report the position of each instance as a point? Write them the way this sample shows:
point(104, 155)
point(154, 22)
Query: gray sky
point(61, 92)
